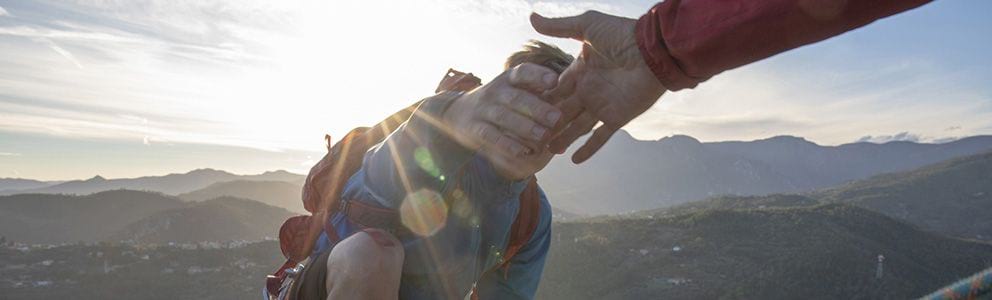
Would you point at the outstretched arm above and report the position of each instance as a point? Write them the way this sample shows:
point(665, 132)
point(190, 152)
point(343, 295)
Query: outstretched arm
point(686, 42)
point(627, 64)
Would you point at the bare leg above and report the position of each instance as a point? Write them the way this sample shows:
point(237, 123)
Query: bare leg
point(366, 265)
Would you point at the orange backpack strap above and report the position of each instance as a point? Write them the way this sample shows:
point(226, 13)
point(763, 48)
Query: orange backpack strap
point(522, 230)
point(528, 217)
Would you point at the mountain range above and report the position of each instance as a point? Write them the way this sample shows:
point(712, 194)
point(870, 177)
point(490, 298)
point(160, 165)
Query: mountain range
point(276, 193)
point(951, 198)
point(12, 184)
point(172, 184)
point(626, 175)
point(630, 174)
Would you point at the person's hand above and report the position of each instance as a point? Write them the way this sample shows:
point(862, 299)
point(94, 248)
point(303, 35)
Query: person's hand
point(609, 82)
point(507, 121)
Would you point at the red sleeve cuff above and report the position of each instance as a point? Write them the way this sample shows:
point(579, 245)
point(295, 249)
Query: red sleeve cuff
point(651, 43)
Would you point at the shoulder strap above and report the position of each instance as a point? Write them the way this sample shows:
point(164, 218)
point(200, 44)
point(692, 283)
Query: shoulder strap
point(528, 217)
point(522, 230)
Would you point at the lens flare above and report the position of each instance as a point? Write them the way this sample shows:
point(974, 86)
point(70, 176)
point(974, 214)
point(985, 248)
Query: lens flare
point(460, 206)
point(424, 212)
point(426, 162)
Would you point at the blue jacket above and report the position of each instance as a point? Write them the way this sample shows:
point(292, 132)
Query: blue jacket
point(417, 161)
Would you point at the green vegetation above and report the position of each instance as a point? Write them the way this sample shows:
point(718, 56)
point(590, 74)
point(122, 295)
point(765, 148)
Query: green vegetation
point(44, 218)
point(220, 219)
point(116, 271)
point(953, 197)
point(820, 252)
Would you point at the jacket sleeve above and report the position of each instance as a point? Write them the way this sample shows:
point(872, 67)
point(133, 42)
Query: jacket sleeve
point(686, 42)
point(524, 274)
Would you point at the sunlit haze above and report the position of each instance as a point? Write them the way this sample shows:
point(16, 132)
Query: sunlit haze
point(131, 88)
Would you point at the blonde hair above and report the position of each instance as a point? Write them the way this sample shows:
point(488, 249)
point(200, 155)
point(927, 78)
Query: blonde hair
point(541, 53)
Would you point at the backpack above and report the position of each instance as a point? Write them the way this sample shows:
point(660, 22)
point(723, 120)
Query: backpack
point(326, 180)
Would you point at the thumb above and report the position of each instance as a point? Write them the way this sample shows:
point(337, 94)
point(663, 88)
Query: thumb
point(567, 27)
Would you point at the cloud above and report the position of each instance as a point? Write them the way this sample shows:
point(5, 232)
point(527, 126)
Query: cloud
point(898, 137)
point(9, 154)
point(828, 104)
point(55, 47)
point(945, 140)
point(3, 12)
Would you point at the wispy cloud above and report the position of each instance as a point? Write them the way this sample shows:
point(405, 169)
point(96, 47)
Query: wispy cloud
point(55, 47)
point(4, 12)
point(244, 73)
point(827, 104)
point(9, 154)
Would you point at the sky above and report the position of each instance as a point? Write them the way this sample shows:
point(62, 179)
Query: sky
point(125, 88)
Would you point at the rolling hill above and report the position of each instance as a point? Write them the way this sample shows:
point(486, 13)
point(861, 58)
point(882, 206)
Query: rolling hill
point(139, 216)
point(172, 184)
point(820, 252)
point(731, 202)
point(952, 197)
point(220, 219)
point(636, 175)
point(43, 218)
point(276, 193)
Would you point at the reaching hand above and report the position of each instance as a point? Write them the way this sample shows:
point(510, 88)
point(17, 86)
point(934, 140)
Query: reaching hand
point(507, 121)
point(609, 82)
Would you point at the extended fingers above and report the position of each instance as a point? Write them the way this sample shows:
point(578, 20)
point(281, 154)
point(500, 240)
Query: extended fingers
point(599, 138)
point(576, 129)
point(567, 27)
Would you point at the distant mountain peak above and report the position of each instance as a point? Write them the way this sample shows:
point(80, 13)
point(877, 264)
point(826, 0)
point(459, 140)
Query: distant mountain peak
point(277, 172)
point(788, 140)
point(679, 138)
point(207, 171)
point(97, 178)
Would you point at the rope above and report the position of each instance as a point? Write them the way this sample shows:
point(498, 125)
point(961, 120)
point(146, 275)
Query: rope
point(978, 286)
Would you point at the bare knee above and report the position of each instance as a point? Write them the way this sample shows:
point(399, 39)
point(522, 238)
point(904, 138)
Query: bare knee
point(368, 256)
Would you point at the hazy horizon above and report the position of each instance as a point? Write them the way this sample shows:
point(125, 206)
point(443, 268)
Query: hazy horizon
point(302, 169)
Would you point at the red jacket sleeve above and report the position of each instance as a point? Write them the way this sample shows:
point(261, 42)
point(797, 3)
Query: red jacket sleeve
point(686, 42)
